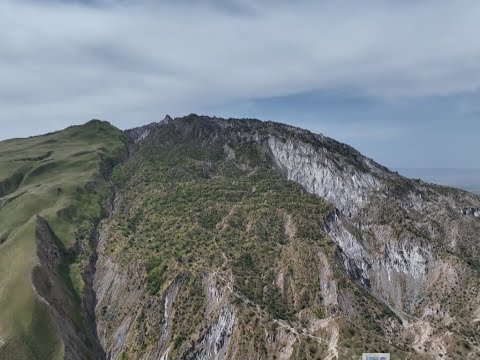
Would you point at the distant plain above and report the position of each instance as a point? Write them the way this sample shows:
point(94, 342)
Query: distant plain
point(467, 179)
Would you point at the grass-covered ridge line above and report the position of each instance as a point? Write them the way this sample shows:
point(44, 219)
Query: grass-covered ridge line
point(60, 177)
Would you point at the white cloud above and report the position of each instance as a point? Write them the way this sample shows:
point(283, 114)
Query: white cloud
point(121, 60)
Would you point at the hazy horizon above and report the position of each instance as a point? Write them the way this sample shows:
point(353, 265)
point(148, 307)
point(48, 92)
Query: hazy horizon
point(467, 179)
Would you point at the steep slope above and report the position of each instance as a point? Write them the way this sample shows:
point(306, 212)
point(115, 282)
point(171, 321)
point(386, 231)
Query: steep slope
point(52, 190)
point(414, 246)
point(242, 239)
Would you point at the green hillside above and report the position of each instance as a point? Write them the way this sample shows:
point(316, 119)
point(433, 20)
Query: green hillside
point(61, 178)
point(193, 204)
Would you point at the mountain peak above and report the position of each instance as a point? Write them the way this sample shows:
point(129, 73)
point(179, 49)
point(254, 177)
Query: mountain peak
point(166, 119)
point(97, 122)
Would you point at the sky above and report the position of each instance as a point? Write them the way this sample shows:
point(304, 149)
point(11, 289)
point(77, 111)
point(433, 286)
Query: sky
point(398, 80)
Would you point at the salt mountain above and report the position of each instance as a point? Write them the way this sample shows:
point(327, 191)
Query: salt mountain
point(204, 238)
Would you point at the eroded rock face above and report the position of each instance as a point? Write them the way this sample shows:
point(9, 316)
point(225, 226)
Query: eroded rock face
point(49, 287)
point(395, 271)
point(356, 260)
point(122, 309)
point(471, 211)
point(328, 283)
point(318, 172)
point(122, 301)
point(398, 253)
point(140, 133)
point(214, 343)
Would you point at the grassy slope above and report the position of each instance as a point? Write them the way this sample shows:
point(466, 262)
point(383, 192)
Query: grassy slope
point(46, 176)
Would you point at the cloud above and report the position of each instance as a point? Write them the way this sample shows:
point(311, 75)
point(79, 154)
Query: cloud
point(131, 62)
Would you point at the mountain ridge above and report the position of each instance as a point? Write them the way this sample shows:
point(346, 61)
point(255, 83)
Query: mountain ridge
point(401, 188)
point(231, 238)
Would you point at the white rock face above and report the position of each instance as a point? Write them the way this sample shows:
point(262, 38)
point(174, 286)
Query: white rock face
point(312, 168)
point(400, 266)
point(214, 345)
point(356, 260)
point(327, 281)
point(471, 212)
point(476, 316)
point(140, 133)
point(120, 338)
point(288, 339)
point(143, 135)
point(165, 355)
point(166, 310)
point(110, 281)
point(399, 276)
point(409, 260)
point(395, 273)
point(166, 327)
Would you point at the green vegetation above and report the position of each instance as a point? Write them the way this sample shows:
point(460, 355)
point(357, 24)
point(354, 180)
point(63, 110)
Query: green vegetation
point(59, 177)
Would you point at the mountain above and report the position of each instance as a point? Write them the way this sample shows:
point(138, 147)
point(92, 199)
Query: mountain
point(205, 238)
